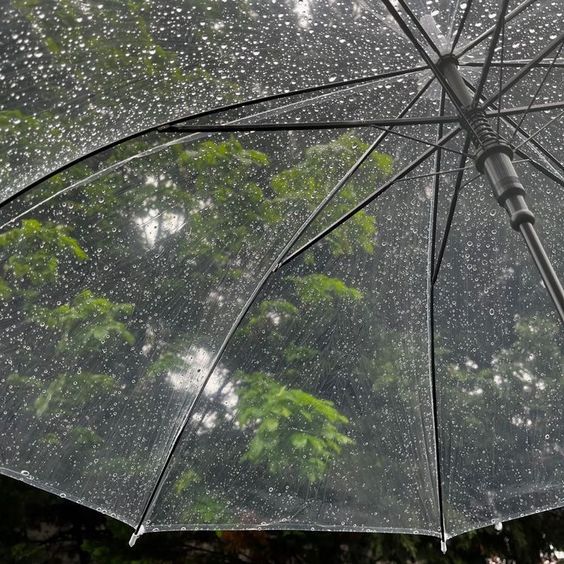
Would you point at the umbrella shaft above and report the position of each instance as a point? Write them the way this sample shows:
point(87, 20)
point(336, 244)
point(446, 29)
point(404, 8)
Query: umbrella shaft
point(510, 194)
point(507, 187)
point(542, 262)
point(494, 160)
point(449, 67)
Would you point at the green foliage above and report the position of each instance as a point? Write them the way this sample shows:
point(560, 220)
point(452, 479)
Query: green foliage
point(293, 431)
point(299, 354)
point(308, 183)
point(227, 202)
point(270, 314)
point(166, 363)
point(88, 322)
point(539, 338)
point(321, 289)
point(26, 383)
point(204, 506)
point(69, 362)
point(32, 255)
point(185, 480)
point(68, 393)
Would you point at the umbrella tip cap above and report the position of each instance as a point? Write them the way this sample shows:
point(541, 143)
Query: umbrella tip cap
point(136, 535)
point(443, 546)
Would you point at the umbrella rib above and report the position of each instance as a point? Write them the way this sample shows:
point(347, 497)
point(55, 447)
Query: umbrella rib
point(515, 12)
point(425, 56)
point(453, 202)
point(383, 125)
point(206, 113)
point(418, 25)
point(418, 140)
point(433, 174)
point(453, 170)
point(346, 124)
point(539, 147)
point(524, 70)
point(500, 79)
point(370, 198)
point(520, 109)
point(539, 130)
point(537, 92)
point(452, 22)
point(500, 24)
point(461, 25)
point(273, 267)
point(309, 125)
point(539, 166)
point(512, 63)
point(431, 326)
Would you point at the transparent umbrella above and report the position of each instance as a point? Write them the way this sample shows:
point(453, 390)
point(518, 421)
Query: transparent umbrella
point(255, 272)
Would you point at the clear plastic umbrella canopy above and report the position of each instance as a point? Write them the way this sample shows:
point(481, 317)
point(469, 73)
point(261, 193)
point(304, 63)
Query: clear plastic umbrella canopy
point(255, 272)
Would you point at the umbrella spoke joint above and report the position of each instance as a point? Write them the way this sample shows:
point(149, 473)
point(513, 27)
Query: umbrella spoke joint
point(493, 156)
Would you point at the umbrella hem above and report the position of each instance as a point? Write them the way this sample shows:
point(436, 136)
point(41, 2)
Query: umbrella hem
point(290, 525)
point(40, 485)
point(511, 517)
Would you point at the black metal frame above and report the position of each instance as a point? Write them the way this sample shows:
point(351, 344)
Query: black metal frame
point(452, 208)
point(493, 158)
point(207, 113)
point(461, 97)
point(431, 328)
point(500, 24)
point(347, 124)
point(494, 161)
point(512, 63)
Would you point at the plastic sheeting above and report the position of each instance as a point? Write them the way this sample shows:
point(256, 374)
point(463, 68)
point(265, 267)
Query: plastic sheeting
point(157, 362)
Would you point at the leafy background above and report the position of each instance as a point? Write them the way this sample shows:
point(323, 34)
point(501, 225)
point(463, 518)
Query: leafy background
point(107, 291)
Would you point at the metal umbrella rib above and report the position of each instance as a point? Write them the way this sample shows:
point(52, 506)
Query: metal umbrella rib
point(371, 197)
point(489, 56)
point(514, 13)
point(207, 113)
point(310, 125)
point(452, 208)
point(274, 266)
point(513, 63)
point(525, 70)
point(537, 91)
point(217, 325)
point(539, 130)
point(345, 124)
point(431, 328)
point(461, 25)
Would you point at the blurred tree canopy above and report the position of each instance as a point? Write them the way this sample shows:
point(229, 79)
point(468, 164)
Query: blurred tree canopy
point(117, 287)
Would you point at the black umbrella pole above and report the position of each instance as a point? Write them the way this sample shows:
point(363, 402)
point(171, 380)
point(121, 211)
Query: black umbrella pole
point(494, 160)
point(549, 276)
point(495, 163)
